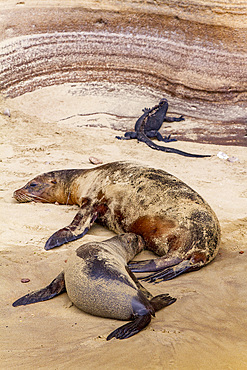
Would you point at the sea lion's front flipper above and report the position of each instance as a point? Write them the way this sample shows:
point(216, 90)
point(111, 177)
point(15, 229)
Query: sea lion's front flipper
point(131, 328)
point(56, 287)
point(80, 225)
point(152, 265)
point(171, 272)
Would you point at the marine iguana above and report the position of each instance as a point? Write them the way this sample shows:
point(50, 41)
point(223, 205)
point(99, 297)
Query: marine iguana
point(148, 125)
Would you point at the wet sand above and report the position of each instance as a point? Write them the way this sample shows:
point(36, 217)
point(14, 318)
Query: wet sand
point(204, 329)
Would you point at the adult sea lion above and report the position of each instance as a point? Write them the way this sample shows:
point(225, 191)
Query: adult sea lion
point(98, 281)
point(174, 221)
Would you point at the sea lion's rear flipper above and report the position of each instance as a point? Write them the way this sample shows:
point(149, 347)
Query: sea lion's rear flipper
point(141, 321)
point(80, 225)
point(171, 272)
point(162, 300)
point(131, 328)
point(56, 287)
point(159, 301)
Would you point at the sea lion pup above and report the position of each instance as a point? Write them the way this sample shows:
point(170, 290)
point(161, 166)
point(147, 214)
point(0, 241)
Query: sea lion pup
point(98, 281)
point(174, 221)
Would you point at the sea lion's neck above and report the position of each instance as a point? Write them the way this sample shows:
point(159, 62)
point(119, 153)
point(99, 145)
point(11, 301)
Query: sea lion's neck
point(126, 245)
point(80, 186)
point(69, 180)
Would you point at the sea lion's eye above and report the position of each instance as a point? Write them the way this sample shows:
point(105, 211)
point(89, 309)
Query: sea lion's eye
point(53, 181)
point(33, 184)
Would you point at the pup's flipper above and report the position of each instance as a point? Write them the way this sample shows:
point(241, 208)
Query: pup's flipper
point(56, 287)
point(162, 300)
point(131, 328)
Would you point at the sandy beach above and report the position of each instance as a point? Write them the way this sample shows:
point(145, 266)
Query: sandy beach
point(204, 329)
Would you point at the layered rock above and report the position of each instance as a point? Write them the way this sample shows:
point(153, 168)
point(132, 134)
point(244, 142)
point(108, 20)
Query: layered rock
point(192, 50)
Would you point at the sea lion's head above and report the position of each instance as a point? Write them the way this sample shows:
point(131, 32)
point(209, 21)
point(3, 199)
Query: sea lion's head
point(49, 187)
point(131, 242)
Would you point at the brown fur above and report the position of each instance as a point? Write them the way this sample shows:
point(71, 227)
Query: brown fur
point(175, 222)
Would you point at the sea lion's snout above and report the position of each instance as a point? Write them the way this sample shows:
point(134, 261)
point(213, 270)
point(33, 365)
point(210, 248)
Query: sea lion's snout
point(136, 241)
point(32, 192)
point(21, 196)
point(140, 242)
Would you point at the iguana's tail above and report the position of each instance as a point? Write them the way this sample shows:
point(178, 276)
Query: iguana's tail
point(142, 137)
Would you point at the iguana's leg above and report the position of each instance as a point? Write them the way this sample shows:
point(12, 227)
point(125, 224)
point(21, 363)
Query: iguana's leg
point(151, 133)
point(127, 136)
point(166, 139)
point(173, 119)
point(157, 134)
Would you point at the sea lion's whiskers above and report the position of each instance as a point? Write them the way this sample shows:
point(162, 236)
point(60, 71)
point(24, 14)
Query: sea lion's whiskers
point(25, 197)
point(43, 200)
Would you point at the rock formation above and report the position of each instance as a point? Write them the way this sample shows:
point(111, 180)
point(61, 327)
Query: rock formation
point(195, 51)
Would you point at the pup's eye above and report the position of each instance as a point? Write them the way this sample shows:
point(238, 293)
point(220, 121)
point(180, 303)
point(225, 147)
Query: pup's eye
point(53, 181)
point(33, 184)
